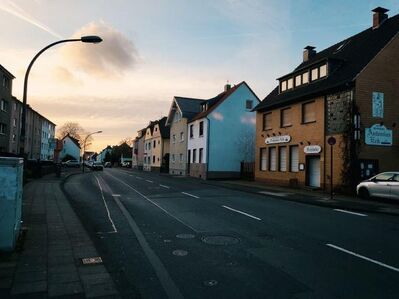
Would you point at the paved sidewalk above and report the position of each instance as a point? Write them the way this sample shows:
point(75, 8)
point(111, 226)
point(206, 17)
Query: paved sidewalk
point(314, 197)
point(49, 262)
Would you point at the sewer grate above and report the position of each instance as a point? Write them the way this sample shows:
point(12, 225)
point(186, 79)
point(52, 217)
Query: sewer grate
point(92, 260)
point(220, 240)
point(185, 236)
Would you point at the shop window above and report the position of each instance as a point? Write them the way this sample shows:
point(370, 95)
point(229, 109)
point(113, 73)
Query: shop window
point(286, 117)
point(272, 159)
point(282, 158)
point(263, 159)
point(267, 121)
point(294, 158)
point(308, 112)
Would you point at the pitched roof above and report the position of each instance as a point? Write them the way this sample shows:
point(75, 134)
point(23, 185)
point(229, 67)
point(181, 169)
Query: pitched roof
point(189, 107)
point(346, 60)
point(5, 71)
point(216, 101)
point(74, 140)
point(165, 131)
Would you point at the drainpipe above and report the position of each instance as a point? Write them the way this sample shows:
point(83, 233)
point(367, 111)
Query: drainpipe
point(324, 141)
point(207, 145)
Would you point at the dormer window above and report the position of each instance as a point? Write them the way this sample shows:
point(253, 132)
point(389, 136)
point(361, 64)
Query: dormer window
point(204, 107)
point(323, 71)
point(290, 83)
point(283, 86)
point(315, 74)
point(305, 78)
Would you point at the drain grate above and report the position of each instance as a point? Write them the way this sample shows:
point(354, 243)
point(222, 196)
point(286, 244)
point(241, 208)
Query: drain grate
point(220, 240)
point(92, 260)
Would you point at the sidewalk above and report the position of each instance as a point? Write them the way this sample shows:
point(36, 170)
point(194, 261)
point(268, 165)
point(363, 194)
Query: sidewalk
point(314, 197)
point(48, 262)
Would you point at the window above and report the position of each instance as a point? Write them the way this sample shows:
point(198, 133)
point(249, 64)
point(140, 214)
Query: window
point(283, 86)
point(181, 157)
point(272, 159)
point(308, 112)
point(290, 83)
point(3, 128)
point(194, 155)
point(384, 176)
point(188, 156)
point(15, 106)
point(155, 143)
point(204, 107)
point(282, 153)
point(4, 105)
point(286, 117)
point(201, 152)
point(153, 159)
point(173, 158)
point(191, 131)
point(248, 104)
point(13, 137)
point(267, 121)
point(181, 136)
point(315, 74)
point(14, 122)
point(263, 159)
point(294, 159)
point(173, 138)
point(323, 71)
point(159, 141)
point(298, 80)
point(201, 128)
point(305, 78)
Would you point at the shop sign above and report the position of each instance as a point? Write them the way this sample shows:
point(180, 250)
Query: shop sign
point(278, 139)
point(312, 149)
point(378, 135)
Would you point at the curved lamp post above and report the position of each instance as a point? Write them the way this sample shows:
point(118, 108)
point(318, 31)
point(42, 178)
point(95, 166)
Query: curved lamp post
point(84, 39)
point(84, 148)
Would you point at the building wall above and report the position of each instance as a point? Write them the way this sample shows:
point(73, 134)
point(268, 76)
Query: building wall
point(178, 147)
point(380, 75)
point(147, 150)
point(232, 133)
point(16, 115)
point(70, 148)
point(47, 134)
point(197, 142)
point(5, 94)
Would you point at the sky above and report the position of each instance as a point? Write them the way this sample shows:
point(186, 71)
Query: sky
point(155, 50)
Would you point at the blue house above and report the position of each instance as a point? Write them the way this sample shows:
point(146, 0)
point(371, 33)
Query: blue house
point(222, 135)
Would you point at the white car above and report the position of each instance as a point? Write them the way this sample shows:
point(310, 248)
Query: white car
point(385, 184)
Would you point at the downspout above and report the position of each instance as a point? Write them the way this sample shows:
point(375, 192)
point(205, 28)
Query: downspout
point(207, 146)
point(324, 142)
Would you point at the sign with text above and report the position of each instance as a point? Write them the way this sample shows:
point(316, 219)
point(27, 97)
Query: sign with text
point(378, 104)
point(278, 139)
point(312, 149)
point(378, 135)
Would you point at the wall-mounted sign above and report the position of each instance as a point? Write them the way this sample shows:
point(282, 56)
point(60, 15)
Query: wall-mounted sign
point(378, 135)
point(301, 166)
point(278, 139)
point(312, 149)
point(378, 104)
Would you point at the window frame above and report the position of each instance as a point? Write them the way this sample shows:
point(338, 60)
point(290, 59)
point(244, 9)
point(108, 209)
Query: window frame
point(264, 122)
point(280, 149)
point(290, 158)
point(282, 125)
point(261, 159)
point(303, 112)
point(201, 128)
point(269, 164)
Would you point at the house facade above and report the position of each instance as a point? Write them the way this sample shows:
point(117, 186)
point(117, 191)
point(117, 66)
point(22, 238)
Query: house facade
point(71, 147)
point(222, 135)
point(147, 157)
point(47, 143)
point(138, 150)
point(182, 110)
point(332, 120)
point(15, 125)
point(5, 108)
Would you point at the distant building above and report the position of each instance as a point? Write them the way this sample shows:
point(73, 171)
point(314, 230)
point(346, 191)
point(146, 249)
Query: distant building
point(71, 147)
point(5, 108)
point(15, 125)
point(101, 155)
point(47, 139)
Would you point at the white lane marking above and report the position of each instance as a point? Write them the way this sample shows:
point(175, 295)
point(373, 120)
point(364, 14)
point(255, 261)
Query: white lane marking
point(188, 194)
point(106, 206)
point(139, 178)
point(167, 187)
point(363, 257)
point(349, 212)
point(275, 193)
point(149, 181)
point(154, 203)
point(116, 195)
point(243, 213)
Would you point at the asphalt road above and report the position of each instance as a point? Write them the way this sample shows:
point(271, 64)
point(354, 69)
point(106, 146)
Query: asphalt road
point(169, 237)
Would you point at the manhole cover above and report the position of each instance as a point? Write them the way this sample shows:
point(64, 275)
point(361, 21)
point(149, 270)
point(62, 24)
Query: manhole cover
point(210, 283)
point(185, 236)
point(92, 260)
point(180, 252)
point(220, 240)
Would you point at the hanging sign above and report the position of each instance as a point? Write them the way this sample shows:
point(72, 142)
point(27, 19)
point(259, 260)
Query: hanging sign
point(278, 139)
point(312, 149)
point(378, 135)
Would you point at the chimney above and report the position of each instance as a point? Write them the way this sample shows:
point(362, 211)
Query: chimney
point(308, 53)
point(379, 16)
point(227, 87)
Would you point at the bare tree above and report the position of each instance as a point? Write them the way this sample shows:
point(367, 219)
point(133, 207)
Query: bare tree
point(74, 130)
point(127, 140)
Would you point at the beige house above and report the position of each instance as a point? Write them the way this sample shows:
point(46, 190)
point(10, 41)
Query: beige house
point(147, 147)
point(181, 111)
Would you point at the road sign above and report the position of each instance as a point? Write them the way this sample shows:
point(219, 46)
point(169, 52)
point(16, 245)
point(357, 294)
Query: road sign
point(331, 140)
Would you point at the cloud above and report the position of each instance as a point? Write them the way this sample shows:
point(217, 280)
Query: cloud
point(64, 76)
point(112, 57)
point(13, 9)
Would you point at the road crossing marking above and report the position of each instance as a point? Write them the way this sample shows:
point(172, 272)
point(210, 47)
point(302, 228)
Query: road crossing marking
point(167, 187)
point(363, 257)
point(281, 194)
point(241, 212)
point(188, 194)
point(149, 181)
point(349, 212)
point(106, 206)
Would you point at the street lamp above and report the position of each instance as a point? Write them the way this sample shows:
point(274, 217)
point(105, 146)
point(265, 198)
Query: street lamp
point(84, 148)
point(84, 39)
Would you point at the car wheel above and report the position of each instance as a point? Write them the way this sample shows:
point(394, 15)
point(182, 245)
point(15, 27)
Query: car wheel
point(364, 193)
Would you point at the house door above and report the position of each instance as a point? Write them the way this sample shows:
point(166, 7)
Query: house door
point(188, 161)
point(313, 171)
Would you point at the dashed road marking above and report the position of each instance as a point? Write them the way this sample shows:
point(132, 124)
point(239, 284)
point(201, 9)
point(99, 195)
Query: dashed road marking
point(349, 212)
point(241, 212)
point(106, 206)
point(149, 181)
point(167, 187)
point(281, 194)
point(363, 257)
point(139, 178)
point(116, 195)
point(188, 194)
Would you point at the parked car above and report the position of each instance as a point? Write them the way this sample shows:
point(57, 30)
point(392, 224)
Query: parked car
point(125, 164)
point(107, 164)
point(97, 166)
point(384, 185)
point(72, 163)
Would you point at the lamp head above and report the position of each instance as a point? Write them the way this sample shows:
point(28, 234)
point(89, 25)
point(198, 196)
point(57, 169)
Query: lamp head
point(93, 39)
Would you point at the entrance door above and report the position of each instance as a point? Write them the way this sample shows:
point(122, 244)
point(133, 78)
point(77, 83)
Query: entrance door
point(188, 161)
point(313, 171)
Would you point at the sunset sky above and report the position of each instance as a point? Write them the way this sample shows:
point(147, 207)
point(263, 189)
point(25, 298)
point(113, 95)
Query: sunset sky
point(154, 50)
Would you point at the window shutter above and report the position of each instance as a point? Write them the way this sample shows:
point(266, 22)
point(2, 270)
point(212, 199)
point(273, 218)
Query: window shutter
point(283, 158)
point(294, 158)
point(273, 158)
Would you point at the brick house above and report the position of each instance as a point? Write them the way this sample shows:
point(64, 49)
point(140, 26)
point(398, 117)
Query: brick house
point(348, 91)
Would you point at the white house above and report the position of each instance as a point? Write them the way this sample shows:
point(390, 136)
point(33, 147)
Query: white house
point(70, 146)
point(47, 140)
